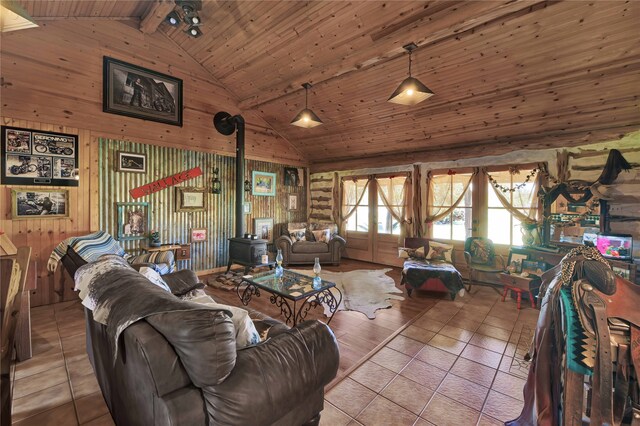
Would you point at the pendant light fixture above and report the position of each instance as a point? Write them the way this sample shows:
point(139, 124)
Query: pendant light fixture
point(411, 91)
point(306, 118)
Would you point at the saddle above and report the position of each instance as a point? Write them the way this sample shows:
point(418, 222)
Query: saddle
point(608, 309)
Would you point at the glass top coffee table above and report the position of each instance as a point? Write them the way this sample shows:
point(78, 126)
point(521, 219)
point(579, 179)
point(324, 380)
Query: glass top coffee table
point(295, 294)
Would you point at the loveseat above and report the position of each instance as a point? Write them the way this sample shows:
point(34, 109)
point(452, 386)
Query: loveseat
point(183, 368)
point(302, 243)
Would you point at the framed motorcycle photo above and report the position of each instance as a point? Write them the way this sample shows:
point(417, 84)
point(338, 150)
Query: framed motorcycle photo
point(39, 203)
point(34, 157)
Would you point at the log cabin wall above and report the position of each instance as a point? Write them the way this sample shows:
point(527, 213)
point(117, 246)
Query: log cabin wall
point(52, 80)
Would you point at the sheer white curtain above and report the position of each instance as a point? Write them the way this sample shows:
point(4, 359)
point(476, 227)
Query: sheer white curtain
point(350, 199)
point(439, 193)
point(523, 203)
point(397, 202)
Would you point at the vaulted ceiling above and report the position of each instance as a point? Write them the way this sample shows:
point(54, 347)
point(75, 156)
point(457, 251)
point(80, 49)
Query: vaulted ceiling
point(507, 74)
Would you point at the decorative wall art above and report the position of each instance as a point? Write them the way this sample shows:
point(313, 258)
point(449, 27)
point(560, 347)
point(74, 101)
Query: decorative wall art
point(264, 183)
point(131, 162)
point(246, 207)
point(198, 235)
point(166, 182)
point(293, 202)
point(141, 93)
point(263, 228)
point(190, 199)
point(39, 203)
point(133, 221)
point(293, 176)
point(32, 157)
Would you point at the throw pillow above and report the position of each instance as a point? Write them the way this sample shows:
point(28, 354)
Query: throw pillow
point(440, 251)
point(153, 276)
point(406, 252)
point(297, 235)
point(322, 235)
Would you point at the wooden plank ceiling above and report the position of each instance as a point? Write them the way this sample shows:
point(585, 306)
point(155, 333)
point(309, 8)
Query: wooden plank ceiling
point(507, 75)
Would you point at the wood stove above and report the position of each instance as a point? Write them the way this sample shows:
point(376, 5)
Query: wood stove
point(247, 252)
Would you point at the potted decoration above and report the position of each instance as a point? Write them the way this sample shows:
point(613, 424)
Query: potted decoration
point(154, 239)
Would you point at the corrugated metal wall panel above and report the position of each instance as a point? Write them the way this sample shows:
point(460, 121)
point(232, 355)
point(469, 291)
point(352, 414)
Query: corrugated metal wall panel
point(175, 227)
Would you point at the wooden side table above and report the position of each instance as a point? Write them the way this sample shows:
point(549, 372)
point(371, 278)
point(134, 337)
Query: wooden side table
point(181, 251)
point(518, 284)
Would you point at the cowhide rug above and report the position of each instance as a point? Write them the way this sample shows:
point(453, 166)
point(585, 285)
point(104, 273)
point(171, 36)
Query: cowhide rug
point(362, 290)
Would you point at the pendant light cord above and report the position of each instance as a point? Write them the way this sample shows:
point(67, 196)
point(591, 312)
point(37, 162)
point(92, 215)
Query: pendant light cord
point(410, 53)
point(306, 98)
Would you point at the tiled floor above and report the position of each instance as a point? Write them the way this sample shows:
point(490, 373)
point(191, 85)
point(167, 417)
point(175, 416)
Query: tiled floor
point(460, 363)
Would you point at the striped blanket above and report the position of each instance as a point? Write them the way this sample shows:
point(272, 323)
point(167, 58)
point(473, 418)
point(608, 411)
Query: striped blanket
point(89, 247)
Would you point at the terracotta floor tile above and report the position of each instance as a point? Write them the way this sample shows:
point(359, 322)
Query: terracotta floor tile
point(331, 416)
point(499, 322)
point(63, 415)
point(437, 357)
point(408, 394)
point(373, 376)
point(91, 407)
point(38, 364)
point(493, 331)
point(74, 342)
point(490, 343)
point(425, 374)
point(429, 324)
point(444, 411)
point(350, 396)
point(391, 359)
point(505, 364)
point(405, 345)
point(482, 356)
point(510, 350)
point(43, 400)
point(105, 420)
point(384, 412)
point(442, 315)
point(509, 385)
point(474, 372)
point(463, 391)
point(44, 347)
point(39, 381)
point(79, 366)
point(84, 385)
point(422, 422)
point(456, 333)
point(489, 421)
point(417, 333)
point(502, 407)
point(466, 324)
point(447, 344)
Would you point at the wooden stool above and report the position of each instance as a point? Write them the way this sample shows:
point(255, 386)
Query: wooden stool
point(518, 284)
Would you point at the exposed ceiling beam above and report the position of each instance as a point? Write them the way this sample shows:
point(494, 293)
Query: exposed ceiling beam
point(156, 13)
point(380, 53)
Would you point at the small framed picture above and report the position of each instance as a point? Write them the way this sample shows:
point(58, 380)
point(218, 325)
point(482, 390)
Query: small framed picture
point(293, 176)
point(198, 235)
point(263, 228)
point(246, 207)
point(534, 267)
point(516, 257)
point(190, 199)
point(131, 162)
point(39, 203)
point(293, 202)
point(133, 221)
point(622, 272)
point(264, 184)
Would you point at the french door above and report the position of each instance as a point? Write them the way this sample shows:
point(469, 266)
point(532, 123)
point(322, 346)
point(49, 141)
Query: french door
point(372, 231)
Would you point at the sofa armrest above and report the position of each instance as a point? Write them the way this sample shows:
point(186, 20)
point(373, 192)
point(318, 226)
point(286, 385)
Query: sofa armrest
point(337, 239)
point(291, 366)
point(284, 242)
point(181, 281)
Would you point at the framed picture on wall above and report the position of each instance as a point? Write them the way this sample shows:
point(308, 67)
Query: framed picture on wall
point(133, 221)
point(264, 183)
point(131, 162)
point(139, 92)
point(39, 203)
point(293, 202)
point(263, 228)
point(190, 199)
point(293, 176)
point(34, 157)
point(198, 235)
point(246, 207)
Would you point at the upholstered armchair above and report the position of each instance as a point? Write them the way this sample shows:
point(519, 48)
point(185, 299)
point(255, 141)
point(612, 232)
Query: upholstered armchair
point(91, 247)
point(481, 258)
point(302, 242)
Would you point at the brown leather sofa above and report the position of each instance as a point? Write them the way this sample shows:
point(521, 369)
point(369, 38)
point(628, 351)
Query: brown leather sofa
point(305, 252)
point(277, 382)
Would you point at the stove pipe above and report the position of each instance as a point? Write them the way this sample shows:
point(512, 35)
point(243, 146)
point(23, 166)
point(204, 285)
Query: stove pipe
point(227, 124)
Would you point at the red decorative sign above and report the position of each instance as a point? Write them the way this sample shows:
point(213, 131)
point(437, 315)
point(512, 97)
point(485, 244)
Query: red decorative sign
point(163, 183)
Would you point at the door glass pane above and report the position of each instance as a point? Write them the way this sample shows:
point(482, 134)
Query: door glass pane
point(351, 223)
point(442, 228)
point(504, 179)
point(499, 226)
point(516, 233)
point(460, 228)
point(384, 220)
point(362, 222)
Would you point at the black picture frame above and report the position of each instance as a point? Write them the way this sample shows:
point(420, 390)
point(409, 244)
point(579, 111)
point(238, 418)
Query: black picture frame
point(36, 157)
point(516, 257)
point(158, 96)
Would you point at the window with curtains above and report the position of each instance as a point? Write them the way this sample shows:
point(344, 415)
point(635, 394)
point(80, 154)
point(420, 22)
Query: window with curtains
point(446, 189)
point(393, 190)
point(504, 227)
point(355, 190)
